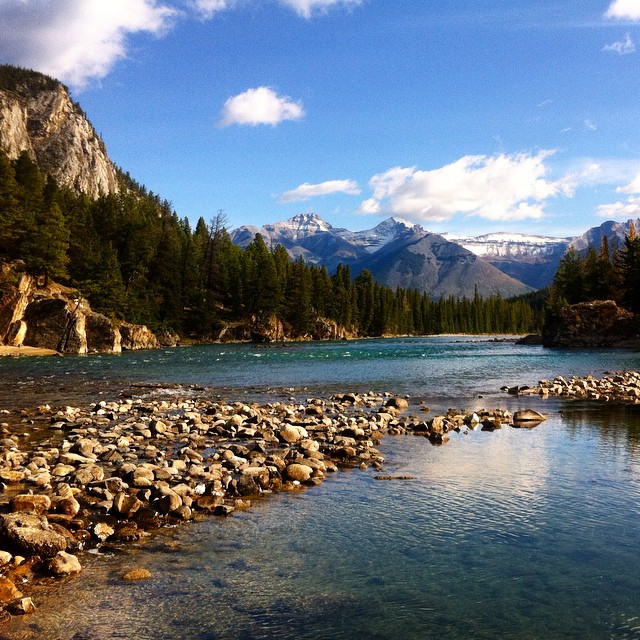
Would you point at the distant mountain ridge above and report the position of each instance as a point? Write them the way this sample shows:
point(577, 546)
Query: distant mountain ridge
point(396, 251)
point(401, 253)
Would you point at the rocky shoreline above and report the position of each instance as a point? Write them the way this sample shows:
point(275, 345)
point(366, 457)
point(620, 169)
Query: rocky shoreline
point(622, 386)
point(76, 479)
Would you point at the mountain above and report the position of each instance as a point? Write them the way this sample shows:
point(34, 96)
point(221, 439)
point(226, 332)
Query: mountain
point(38, 116)
point(397, 252)
point(532, 259)
point(429, 262)
point(615, 231)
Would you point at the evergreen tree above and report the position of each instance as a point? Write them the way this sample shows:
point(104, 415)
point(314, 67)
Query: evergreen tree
point(45, 247)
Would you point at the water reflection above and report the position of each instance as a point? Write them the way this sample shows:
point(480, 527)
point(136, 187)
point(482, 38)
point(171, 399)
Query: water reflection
point(618, 425)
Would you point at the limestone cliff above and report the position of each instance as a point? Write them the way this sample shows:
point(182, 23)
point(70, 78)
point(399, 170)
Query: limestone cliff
point(56, 317)
point(38, 116)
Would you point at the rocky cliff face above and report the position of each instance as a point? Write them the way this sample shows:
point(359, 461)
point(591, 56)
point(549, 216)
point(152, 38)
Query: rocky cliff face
point(600, 323)
point(38, 116)
point(56, 318)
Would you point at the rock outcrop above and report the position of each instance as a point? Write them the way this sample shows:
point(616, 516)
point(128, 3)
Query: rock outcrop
point(56, 317)
point(38, 116)
point(601, 323)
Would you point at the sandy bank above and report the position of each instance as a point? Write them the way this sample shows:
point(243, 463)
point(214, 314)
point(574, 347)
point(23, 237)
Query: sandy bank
point(26, 351)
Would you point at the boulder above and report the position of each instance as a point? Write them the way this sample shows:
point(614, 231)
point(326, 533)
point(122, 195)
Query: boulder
point(299, 472)
point(136, 336)
point(400, 404)
point(32, 534)
point(31, 503)
point(64, 564)
point(528, 417)
point(292, 433)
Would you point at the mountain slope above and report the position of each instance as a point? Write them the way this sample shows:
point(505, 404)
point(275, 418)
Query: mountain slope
point(532, 259)
point(429, 262)
point(397, 252)
point(614, 231)
point(38, 116)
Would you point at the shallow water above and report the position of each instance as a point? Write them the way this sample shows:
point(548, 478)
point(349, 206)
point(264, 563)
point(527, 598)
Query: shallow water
point(519, 533)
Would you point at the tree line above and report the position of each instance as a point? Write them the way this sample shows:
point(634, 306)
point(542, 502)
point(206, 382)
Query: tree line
point(132, 257)
point(604, 273)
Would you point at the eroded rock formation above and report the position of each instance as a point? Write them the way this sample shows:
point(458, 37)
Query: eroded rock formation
point(56, 317)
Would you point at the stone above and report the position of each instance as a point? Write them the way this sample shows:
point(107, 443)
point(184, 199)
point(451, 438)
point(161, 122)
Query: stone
point(21, 607)
point(32, 534)
point(8, 590)
point(31, 503)
point(64, 564)
point(528, 415)
point(137, 574)
point(399, 404)
point(292, 434)
point(125, 504)
point(90, 473)
point(166, 500)
point(299, 472)
point(208, 503)
point(102, 531)
point(67, 506)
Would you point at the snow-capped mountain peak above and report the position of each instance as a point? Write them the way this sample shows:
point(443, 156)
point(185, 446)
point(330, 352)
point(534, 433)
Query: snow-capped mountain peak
point(299, 226)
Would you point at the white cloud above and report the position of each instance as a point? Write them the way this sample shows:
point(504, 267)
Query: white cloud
point(502, 187)
point(306, 8)
point(75, 40)
point(624, 9)
point(261, 105)
point(590, 125)
point(620, 210)
point(624, 46)
point(208, 8)
point(307, 191)
point(632, 187)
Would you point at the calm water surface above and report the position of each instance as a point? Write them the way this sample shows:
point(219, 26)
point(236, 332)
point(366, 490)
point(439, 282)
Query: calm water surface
point(513, 534)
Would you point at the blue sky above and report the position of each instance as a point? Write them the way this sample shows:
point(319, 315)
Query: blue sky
point(464, 116)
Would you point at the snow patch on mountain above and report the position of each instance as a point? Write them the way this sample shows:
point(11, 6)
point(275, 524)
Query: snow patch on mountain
point(507, 245)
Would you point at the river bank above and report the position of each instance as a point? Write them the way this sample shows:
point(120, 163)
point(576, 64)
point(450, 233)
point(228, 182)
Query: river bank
point(78, 479)
point(6, 350)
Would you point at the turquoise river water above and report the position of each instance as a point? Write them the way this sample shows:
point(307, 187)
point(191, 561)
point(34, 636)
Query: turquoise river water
point(516, 534)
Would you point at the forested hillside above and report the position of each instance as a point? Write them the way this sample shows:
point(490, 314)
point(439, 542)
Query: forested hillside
point(611, 272)
point(133, 257)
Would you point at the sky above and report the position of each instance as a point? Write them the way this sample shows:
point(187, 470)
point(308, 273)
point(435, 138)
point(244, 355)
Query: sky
point(465, 116)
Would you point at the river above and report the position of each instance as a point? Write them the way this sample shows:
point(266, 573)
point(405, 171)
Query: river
point(516, 533)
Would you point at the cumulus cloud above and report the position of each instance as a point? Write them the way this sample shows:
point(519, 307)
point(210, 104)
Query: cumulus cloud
point(624, 46)
point(632, 187)
point(307, 8)
point(620, 210)
point(75, 40)
point(623, 210)
point(624, 10)
point(261, 105)
point(502, 187)
point(307, 191)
